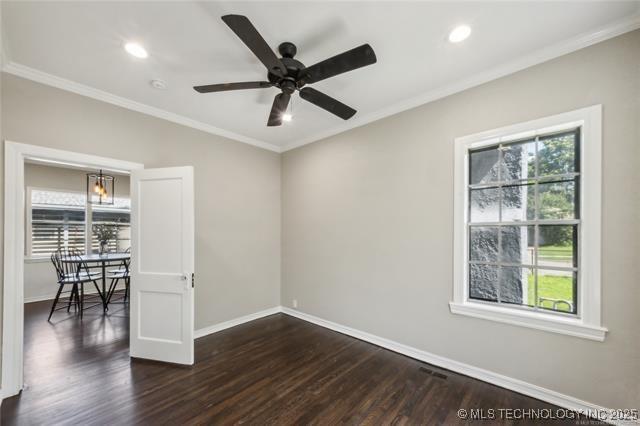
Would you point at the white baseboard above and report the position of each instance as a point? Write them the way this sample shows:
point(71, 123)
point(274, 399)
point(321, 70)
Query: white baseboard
point(50, 297)
point(236, 321)
point(535, 391)
point(34, 299)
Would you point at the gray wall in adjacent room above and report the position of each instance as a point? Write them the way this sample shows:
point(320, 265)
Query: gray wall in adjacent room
point(39, 274)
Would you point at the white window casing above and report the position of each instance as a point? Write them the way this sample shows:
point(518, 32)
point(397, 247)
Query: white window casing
point(587, 322)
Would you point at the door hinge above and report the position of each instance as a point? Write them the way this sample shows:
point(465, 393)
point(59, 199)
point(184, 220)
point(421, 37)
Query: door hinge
point(193, 279)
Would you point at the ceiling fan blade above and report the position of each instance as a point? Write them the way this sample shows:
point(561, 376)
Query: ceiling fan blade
point(327, 102)
point(278, 108)
point(251, 37)
point(348, 61)
point(232, 86)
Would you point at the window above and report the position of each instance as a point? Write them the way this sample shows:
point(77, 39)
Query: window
point(118, 217)
point(527, 218)
point(60, 219)
point(57, 221)
point(523, 221)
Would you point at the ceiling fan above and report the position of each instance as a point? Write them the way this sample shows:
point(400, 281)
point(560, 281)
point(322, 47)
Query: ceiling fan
point(289, 75)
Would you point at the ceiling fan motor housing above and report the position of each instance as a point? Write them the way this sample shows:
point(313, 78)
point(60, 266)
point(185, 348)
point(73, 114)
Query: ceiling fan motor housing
point(287, 49)
point(295, 70)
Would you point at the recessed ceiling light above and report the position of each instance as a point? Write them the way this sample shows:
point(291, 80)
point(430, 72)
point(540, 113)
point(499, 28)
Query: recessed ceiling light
point(136, 50)
point(159, 84)
point(459, 33)
point(287, 117)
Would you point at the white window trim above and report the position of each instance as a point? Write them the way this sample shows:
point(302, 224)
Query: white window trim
point(587, 324)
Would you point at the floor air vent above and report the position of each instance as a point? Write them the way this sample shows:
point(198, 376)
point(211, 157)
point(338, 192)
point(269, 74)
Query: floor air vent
point(433, 373)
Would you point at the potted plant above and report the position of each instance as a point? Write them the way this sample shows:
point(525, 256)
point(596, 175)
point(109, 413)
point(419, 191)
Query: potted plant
point(104, 233)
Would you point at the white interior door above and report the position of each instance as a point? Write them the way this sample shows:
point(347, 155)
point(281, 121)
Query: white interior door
point(162, 264)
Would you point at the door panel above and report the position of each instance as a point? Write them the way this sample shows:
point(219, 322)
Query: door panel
point(162, 264)
point(160, 310)
point(163, 249)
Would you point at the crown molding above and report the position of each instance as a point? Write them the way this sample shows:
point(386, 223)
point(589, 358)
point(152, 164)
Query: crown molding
point(614, 29)
point(91, 92)
point(581, 41)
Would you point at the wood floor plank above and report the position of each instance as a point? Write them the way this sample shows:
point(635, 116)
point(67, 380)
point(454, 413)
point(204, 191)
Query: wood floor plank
point(275, 370)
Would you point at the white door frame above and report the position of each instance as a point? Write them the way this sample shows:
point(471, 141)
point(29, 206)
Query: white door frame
point(15, 155)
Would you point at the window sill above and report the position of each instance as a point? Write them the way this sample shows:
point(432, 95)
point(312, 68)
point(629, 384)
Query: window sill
point(540, 321)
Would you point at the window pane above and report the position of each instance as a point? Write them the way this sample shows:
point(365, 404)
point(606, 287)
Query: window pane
point(57, 214)
point(483, 205)
point(43, 197)
point(483, 166)
point(556, 290)
point(119, 221)
point(112, 217)
point(48, 237)
point(483, 243)
point(557, 200)
point(518, 202)
point(516, 245)
point(557, 154)
point(483, 281)
point(57, 221)
point(514, 285)
point(518, 161)
point(557, 245)
point(530, 265)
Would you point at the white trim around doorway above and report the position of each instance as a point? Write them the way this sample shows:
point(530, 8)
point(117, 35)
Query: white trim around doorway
point(14, 240)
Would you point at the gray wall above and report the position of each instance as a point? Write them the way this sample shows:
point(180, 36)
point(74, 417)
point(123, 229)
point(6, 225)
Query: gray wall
point(237, 186)
point(39, 274)
point(50, 177)
point(368, 229)
point(367, 215)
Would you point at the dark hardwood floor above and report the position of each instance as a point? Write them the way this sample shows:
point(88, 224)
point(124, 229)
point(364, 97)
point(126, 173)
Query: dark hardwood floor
point(275, 370)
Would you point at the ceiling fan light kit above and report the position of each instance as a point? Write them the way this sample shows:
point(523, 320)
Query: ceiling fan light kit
point(290, 75)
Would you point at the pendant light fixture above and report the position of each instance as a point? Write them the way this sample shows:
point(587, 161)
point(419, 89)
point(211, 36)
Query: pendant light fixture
point(100, 188)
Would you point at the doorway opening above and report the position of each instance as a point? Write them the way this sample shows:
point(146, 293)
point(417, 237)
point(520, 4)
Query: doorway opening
point(51, 224)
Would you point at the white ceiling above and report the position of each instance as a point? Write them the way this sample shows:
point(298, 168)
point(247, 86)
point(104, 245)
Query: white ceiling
point(189, 45)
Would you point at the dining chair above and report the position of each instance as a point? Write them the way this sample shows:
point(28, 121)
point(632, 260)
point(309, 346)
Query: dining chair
point(116, 276)
point(72, 271)
point(55, 259)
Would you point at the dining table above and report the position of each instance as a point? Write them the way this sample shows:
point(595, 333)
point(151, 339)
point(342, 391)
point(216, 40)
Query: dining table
point(102, 261)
